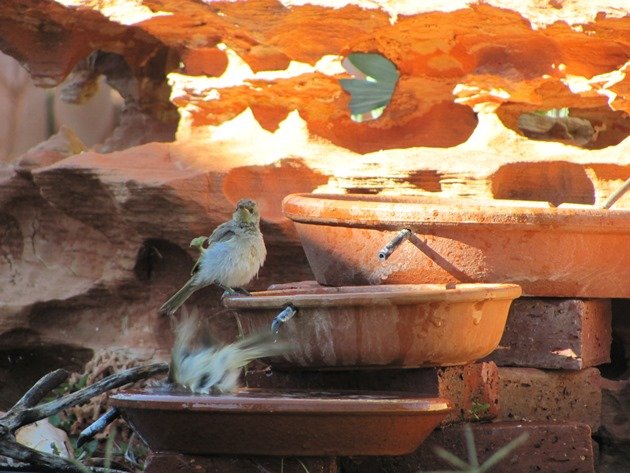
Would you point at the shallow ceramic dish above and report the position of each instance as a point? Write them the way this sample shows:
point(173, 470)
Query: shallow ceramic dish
point(566, 251)
point(382, 326)
point(286, 423)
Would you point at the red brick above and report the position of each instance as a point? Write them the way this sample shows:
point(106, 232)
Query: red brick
point(172, 462)
point(473, 388)
point(550, 448)
point(556, 334)
point(533, 394)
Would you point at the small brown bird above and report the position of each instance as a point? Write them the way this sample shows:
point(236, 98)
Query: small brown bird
point(235, 253)
point(203, 365)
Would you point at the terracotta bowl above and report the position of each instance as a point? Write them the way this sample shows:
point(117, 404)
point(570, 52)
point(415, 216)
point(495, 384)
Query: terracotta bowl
point(282, 423)
point(382, 326)
point(566, 251)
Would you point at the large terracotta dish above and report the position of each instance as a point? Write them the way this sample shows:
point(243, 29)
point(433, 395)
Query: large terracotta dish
point(566, 251)
point(382, 326)
point(263, 422)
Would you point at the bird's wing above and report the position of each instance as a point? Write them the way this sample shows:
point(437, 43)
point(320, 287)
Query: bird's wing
point(223, 232)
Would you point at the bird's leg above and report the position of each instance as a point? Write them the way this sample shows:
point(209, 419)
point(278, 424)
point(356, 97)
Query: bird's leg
point(240, 290)
point(227, 291)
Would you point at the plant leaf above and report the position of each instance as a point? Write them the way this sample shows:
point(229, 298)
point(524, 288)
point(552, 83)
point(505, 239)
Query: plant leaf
point(376, 66)
point(451, 458)
point(503, 452)
point(375, 90)
point(366, 95)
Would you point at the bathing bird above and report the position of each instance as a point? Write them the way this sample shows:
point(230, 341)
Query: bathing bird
point(234, 254)
point(204, 365)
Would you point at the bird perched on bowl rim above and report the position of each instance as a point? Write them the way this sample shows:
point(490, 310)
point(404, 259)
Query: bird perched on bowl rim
point(234, 255)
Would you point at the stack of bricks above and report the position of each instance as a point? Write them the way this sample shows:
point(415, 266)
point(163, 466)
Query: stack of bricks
point(548, 387)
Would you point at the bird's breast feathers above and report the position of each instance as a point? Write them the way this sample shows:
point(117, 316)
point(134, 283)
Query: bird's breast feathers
point(233, 262)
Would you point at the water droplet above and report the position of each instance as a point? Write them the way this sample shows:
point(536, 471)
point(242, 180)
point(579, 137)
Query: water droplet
point(477, 315)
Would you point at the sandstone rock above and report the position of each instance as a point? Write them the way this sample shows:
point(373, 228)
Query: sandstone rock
point(472, 388)
point(276, 66)
point(167, 463)
point(529, 394)
point(556, 333)
point(552, 447)
point(59, 146)
point(23, 123)
point(492, 63)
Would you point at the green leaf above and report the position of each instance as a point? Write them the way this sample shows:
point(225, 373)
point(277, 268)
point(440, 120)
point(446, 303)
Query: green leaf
point(366, 95)
point(451, 458)
point(376, 66)
point(375, 91)
point(82, 382)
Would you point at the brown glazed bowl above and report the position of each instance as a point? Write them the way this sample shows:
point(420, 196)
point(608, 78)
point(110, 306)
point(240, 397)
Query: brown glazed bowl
point(282, 423)
point(397, 326)
point(566, 251)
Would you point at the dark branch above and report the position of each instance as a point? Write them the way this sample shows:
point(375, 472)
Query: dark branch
point(33, 414)
point(26, 411)
point(98, 425)
point(40, 389)
point(42, 460)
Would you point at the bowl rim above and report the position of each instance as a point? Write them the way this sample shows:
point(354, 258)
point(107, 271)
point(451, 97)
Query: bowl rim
point(284, 401)
point(386, 211)
point(386, 294)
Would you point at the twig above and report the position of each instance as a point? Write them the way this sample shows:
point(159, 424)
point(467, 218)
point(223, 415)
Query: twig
point(39, 390)
point(97, 426)
point(46, 461)
point(615, 196)
point(25, 467)
point(33, 414)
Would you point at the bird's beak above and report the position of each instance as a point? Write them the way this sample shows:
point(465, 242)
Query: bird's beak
point(245, 208)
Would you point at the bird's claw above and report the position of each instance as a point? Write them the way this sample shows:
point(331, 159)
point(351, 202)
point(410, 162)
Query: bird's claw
point(237, 291)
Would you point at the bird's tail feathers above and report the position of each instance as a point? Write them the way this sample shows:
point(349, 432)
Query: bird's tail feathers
point(259, 345)
point(175, 302)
